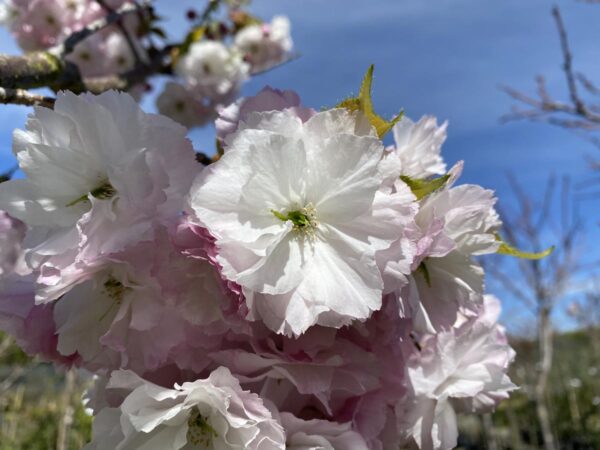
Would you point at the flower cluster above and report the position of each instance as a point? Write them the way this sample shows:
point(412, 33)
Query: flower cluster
point(312, 288)
point(41, 24)
point(212, 70)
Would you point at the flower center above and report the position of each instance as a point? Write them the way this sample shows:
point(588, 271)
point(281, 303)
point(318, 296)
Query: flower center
point(304, 219)
point(102, 192)
point(179, 106)
point(199, 430)
point(114, 289)
point(207, 69)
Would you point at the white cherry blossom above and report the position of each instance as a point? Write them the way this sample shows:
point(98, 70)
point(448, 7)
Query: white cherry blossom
point(265, 45)
point(212, 69)
point(210, 413)
point(92, 185)
point(419, 146)
point(461, 369)
point(298, 211)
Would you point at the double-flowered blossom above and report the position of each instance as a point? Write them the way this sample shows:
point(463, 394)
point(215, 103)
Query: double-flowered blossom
point(212, 413)
point(265, 45)
point(462, 369)
point(298, 210)
point(181, 103)
point(94, 186)
point(213, 68)
point(320, 435)
point(310, 289)
point(42, 24)
point(419, 146)
point(455, 223)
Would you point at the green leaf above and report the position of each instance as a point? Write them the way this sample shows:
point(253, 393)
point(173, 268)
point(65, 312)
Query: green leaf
point(506, 249)
point(159, 32)
point(364, 104)
point(195, 35)
point(423, 187)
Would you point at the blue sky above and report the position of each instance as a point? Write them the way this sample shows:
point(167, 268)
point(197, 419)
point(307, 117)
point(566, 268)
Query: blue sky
point(440, 57)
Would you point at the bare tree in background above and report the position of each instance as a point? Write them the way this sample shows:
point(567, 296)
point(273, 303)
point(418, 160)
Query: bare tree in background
point(579, 113)
point(541, 284)
point(586, 311)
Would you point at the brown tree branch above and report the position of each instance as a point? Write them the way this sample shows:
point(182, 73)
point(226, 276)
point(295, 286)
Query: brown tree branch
point(26, 98)
point(49, 68)
point(33, 70)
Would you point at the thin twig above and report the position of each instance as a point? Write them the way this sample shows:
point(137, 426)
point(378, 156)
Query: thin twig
point(584, 117)
point(587, 84)
point(140, 60)
point(209, 9)
point(568, 63)
point(111, 18)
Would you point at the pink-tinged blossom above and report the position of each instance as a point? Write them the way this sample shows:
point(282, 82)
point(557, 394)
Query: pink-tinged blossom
point(89, 56)
point(265, 45)
point(295, 295)
point(372, 413)
point(268, 99)
point(396, 262)
point(317, 372)
point(455, 224)
point(92, 186)
point(32, 326)
point(146, 308)
point(209, 413)
point(12, 232)
point(462, 369)
point(104, 53)
point(41, 24)
point(196, 242)
point(182, 105)
point(298, 211)
point(320, 435)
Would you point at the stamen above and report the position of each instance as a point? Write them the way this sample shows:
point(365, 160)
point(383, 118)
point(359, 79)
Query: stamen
point(103, 192)
point(114, 289)
point(304, 219)
point(200, 432)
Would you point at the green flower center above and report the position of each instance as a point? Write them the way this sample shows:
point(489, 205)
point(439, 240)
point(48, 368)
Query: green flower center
point(304, 219)
point(102, 192)
point(114, 289)
point(200, 432)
